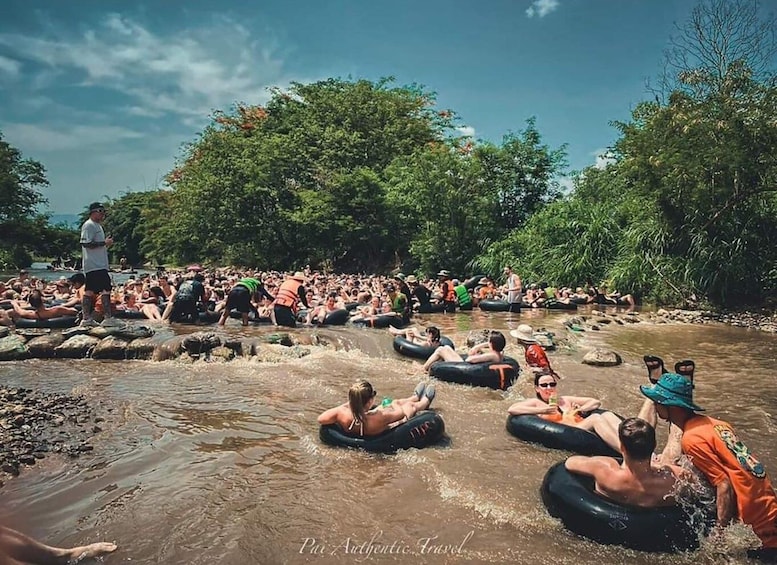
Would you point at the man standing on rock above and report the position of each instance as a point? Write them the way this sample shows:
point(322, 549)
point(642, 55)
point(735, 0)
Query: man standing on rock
point(95, 246)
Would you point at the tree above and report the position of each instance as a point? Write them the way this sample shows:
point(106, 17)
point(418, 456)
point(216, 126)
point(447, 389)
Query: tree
point(299, 180)
point(22, 228)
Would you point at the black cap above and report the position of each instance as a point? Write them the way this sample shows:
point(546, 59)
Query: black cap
point(96, 206)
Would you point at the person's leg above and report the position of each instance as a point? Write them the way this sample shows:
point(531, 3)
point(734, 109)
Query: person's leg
point(105, 300)
point(604, 426)
point(244, 318)
point(648, 412)
point(442, 353)
point(22, 548)
point(87, 304)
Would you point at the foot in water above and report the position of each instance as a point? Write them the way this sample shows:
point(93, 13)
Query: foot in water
point(686, 367)
point(419, 390)
point(655, 367)
point(429, 393)
point(90, 551)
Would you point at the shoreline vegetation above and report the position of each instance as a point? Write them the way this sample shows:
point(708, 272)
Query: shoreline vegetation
point(355, 175)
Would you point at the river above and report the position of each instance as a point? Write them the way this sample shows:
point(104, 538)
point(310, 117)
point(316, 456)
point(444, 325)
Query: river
point(221, 463)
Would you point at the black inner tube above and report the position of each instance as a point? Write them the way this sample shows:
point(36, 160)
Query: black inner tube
point(571, 498)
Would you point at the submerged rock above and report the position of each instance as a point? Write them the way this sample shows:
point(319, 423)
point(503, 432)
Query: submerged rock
point(602, 358)
point(111, 347)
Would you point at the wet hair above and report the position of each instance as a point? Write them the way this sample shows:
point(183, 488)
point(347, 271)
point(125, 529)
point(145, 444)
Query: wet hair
point(638, 438)
point(497, 341)
point(433, 332)
point(359, 395)
point(35, 299)
point(78, 278)
point(199, 277)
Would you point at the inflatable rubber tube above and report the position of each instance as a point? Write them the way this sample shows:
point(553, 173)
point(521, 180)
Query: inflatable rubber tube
point(555, 435)
point(404, 346)
point(209, 317)
point(129, 315)
point(556, 305)
point(336, 318)
point(381, 321)
point(498, 376)
point(491, 305)
point(424, 429)
point(351, 306)
point(472, 282)
point(58, 322)
point(432, 308)
point(571, 498)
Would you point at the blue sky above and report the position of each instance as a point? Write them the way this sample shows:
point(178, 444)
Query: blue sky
point(104, 92)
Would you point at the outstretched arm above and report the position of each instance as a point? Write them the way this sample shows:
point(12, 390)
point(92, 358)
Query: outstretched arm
point(19, 547)
point(330, 416)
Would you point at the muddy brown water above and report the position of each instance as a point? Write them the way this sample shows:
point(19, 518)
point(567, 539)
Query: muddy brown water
point(221, 463)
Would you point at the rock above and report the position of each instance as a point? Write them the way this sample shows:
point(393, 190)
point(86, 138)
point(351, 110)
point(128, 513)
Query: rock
point(111, 347)
point(602, 358)
point(13, 347)
point(28, 333)
point(4, 331)
point(77, 347)
point(199, 343)
point(661, 312)
point(43, 347)
point(278, 338)
point(221, 353)
point(603, 321)
point(477, 336)
point(169, 349)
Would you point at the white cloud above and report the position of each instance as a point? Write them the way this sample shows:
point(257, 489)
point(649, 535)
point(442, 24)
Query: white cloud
point(9, 66)
point(567, 184)
point(466, 131)
point(36, 138)
point(542, 8)
point(604, 158)
point(188, 73)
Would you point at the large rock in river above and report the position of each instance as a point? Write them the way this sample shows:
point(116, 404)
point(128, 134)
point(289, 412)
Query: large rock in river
point(12, 347)
point(44, 346)
point(602, 358)
point(111, 347)
point(200, 343)
point(77, 347)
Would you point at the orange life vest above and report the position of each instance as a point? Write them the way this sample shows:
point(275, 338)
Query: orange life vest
point(288, 294)
point(448, 292)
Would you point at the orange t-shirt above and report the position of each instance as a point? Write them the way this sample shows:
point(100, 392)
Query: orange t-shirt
point(713, 447)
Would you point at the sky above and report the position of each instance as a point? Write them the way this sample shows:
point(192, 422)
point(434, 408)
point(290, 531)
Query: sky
point(105, 92)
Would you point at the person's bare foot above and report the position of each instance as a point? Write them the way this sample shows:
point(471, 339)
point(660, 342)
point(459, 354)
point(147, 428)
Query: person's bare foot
point(90, 551)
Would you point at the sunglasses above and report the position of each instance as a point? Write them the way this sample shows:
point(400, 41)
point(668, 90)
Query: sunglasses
point(547, 385)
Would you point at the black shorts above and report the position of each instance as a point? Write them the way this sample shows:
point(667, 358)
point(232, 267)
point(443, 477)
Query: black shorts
point(98, 281)
point(184, 311)
point(284, 316)
point(239, 298)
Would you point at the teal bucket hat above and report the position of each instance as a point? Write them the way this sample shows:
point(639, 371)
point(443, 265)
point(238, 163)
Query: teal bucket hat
point(672, 390)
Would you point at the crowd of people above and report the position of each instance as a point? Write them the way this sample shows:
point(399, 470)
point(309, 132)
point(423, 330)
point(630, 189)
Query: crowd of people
point(643, 478)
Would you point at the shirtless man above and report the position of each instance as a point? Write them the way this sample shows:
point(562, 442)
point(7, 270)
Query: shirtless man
point(40, 312)
point(15, 547)
point(635, 481)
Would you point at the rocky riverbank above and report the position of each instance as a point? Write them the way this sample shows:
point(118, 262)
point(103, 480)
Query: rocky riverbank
point(34, 425)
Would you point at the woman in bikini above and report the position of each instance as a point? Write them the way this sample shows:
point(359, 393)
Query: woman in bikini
point(361, 416)
point(568, 410)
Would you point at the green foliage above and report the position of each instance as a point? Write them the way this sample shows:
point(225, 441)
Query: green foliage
point(23, 230)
